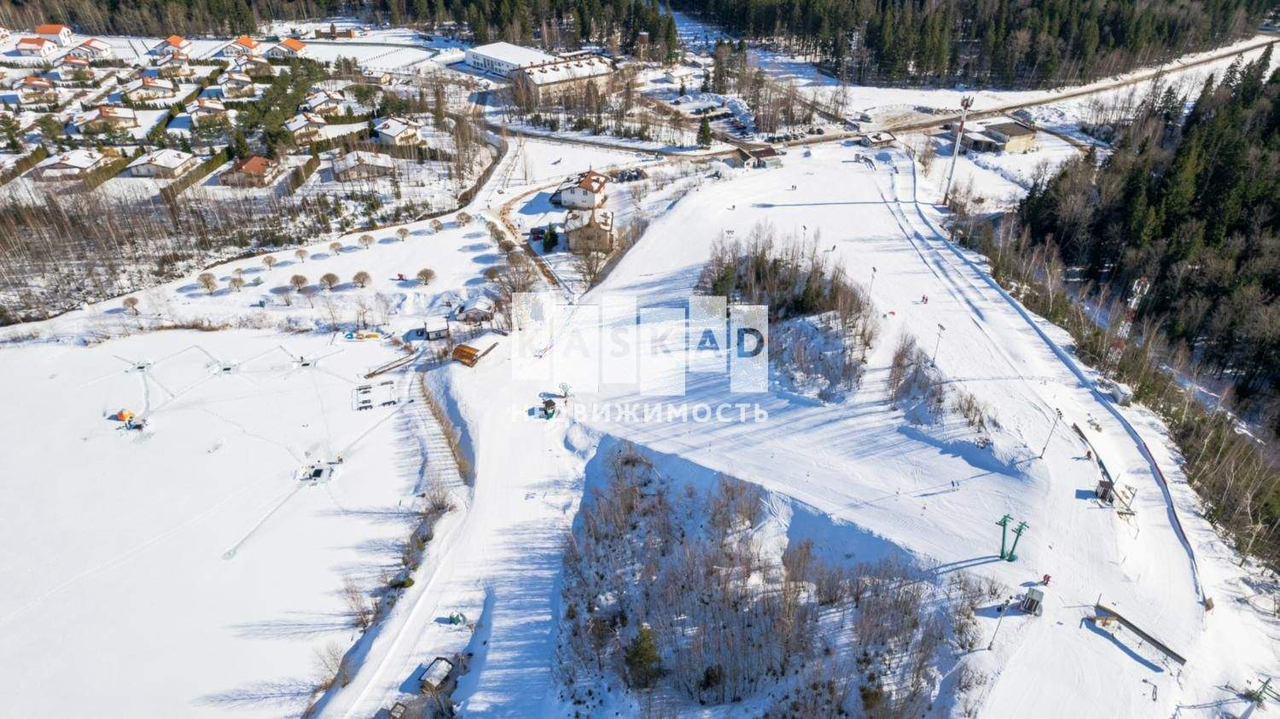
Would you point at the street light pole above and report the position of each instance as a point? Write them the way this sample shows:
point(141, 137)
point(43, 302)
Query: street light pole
point(965, 104)
point(937, 345)
point(999, 619)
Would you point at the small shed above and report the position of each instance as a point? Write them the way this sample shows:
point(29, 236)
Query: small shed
point(1106, 491)
point(1033, 602)
point(435, 328)
point(878, 139)
point(466, 354)
point(437, 677)
point(1122, 394)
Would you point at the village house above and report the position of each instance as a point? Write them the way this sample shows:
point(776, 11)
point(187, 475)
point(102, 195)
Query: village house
point(236, 84)
point(252, 65)
point(324, 102)
point(105, 118)
point(36, 90)
point(92, 49)
point(174, 44)
point(552, 80)
point(71, 165)
point(399, 132)
point(378, 78)
point(243, 45)
point(289, 47)
point(758, 157)
point(164, 164)
point(582, 192)
point(589, 230)
point(36, 47)
point(205, 109)
point(255, 171)
point(60, 34)
point(174, 65)
point(72, 62)
point(306, 127)
point(146, 89)
point(503, 58)
point(361, 165)
point(334, 33)
point(475, 311)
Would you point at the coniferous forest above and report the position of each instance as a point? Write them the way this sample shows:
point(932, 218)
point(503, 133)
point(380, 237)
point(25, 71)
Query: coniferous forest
point(1005, 43)
point(1193, 205)
point(559, 22)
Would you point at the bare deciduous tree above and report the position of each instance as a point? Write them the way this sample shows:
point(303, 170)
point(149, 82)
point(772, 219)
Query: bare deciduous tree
point(366, 241)
point(425, 275)
point(328, 280)
point(208, 281)
point(298, 282)
point(361, 278)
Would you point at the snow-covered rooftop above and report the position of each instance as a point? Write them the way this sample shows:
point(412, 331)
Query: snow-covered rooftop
point(512, 54)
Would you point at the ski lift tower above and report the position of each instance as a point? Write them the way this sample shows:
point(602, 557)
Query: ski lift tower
point(965, 104)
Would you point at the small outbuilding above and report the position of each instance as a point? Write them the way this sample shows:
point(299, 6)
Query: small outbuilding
point(435, 328)
point(878, 139)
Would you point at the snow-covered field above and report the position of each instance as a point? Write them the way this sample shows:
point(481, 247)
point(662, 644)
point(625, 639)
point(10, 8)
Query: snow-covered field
point(185, 570)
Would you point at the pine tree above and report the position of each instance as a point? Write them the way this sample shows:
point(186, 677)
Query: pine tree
point(644, 666)
point(704, 133)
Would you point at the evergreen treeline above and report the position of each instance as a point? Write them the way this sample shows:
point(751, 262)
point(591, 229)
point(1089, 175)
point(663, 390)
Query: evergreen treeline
point(560, 22)
point(1006, 42)
point(1193, 205)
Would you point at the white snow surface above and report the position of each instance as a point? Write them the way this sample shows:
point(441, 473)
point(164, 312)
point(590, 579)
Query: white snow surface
point(121, 539)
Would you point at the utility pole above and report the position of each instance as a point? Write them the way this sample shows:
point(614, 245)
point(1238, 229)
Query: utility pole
point(965, 104)
point(1004, 532)
point(999, 618)
point(873, 280)
point(937, 345)
point(1017, 534)
point(1046, 439)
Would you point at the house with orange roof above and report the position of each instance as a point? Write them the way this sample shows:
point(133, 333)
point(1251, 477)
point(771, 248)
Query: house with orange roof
point(254, 171)
point(92, 49)
point(60, 34)
point(289, 47)
point(172, 44)
point(36, 47)
point(243, 45)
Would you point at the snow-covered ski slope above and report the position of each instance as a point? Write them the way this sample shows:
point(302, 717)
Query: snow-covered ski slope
point(862, 463)
point(183, 572)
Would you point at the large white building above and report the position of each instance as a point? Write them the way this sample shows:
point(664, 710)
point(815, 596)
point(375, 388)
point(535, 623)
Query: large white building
point(502, 58)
